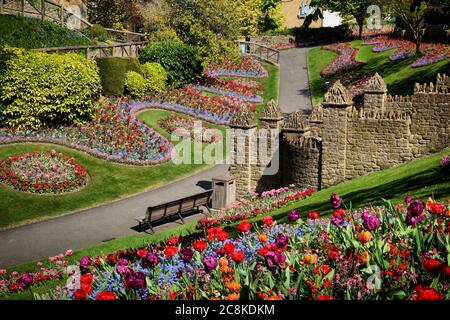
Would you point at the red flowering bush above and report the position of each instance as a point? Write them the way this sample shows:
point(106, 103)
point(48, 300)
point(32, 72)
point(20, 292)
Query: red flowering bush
point(186, 126)
point(49, 172)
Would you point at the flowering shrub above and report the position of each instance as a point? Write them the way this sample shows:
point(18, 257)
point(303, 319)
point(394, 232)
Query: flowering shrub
point(244, 89)
point(115, 134)
point(253, 205)
point(343, 62)
point(372, 253)
point(248, 66)
point(180, 125)
point(42, 173)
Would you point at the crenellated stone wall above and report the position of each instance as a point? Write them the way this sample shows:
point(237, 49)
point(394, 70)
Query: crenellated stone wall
point(340, 141)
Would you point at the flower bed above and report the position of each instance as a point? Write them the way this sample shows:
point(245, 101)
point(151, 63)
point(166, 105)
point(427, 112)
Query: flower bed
point(407, 49)
point(345, 60)
point(114, 134)
point(186, 126)
point(44, 173)
point(375, 253)
point(243, 89)
point(248, 67)
point(219, 109)
point(437, 54)
point(254, 205)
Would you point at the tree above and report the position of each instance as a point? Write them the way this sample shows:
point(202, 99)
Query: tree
point(354, 8)
point(412, 13)
point(116, 13)
point(209, 25)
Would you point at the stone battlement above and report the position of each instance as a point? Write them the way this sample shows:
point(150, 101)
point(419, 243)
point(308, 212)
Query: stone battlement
point(340, 141)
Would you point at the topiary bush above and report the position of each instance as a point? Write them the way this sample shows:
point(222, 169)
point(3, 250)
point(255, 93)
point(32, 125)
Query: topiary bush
point(113, 72)
point(135, 84)
point(155, 75)
point(180, 61)
point(39, 89)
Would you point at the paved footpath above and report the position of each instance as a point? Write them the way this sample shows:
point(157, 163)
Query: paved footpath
point(294, 83)
point(89, 227)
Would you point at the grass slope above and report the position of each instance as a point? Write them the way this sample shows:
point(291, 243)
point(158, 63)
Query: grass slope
point(30, 33)
point(398, 75)
point(420, 178)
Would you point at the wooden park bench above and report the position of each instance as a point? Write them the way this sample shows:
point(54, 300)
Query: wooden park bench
point(175, 208)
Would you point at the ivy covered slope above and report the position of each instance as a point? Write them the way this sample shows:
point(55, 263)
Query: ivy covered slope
point(33, 33)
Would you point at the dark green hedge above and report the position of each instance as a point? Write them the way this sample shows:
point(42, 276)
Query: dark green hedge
point(113, 73)
point(180, 61)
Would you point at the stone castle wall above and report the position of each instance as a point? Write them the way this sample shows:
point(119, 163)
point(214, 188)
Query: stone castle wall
point(340, 141)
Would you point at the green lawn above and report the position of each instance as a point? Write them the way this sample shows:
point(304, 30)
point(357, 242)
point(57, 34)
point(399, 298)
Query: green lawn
point(420, 178)
point(399, 76)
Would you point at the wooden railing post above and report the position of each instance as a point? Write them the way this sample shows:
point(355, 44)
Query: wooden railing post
point(22, 4)
point(1, 6)
point(42, 9)
point(62, 16)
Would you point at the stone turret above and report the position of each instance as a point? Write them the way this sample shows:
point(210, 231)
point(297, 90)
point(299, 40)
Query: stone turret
point(271, 117)
point(243, 149)
point(375, 93)
point(336, 108)
point(296, 122)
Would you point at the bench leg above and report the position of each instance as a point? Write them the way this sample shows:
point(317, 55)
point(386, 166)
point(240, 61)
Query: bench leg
point(181, 217)
point(208, 208)
point(151, 228)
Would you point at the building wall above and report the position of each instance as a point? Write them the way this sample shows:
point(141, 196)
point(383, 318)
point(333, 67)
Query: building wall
point(291, 9)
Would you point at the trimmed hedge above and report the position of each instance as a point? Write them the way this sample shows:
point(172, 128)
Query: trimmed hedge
point(39, 89)
point(156, 76)
point(180, 61)
point(113, 73)
point(135, 85)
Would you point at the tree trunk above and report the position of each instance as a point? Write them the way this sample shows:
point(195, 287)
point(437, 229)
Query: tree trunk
point(361, 27)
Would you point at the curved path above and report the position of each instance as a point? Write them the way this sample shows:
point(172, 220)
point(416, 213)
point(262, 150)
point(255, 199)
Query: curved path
point(294, 81)
point(89, 227)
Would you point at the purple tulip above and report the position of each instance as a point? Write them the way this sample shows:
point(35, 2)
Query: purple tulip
point(85, 262)
point(282, 241)
point(293, 216)
point(210, 263)
point(370, 222)
point(150, 260)
point(123, 262)
point(186, 254)
point(335, 201)
point(27, 279)
point(275, 259)
point(134, 279)
point(408, 200)
point(414, 212)
point(338, 221)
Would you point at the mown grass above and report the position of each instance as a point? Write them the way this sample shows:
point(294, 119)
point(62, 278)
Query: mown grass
point(399, 76)
point(421, 178)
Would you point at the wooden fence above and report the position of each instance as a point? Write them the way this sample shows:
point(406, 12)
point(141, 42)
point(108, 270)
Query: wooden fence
point(99, 51)
point(261, 51)
point(49, 10)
